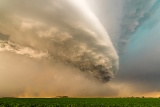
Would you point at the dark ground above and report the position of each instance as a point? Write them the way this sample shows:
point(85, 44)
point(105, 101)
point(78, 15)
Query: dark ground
point(79, 102)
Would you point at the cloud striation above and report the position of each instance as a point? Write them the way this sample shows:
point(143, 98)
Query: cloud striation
point(50, 47)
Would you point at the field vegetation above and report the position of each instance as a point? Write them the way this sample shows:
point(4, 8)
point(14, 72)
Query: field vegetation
point(79, 102)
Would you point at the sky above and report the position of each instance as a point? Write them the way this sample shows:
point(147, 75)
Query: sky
point(82, 48)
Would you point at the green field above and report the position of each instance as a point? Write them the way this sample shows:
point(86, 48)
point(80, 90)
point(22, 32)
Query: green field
point(80, 102)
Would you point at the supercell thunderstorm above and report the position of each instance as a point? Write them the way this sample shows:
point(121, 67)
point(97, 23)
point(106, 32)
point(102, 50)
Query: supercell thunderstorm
point(58, 36)
point(62, 47)
point(54, 33)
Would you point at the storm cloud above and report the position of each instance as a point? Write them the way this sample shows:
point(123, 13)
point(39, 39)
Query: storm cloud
point(65, 47)
point(56, 46)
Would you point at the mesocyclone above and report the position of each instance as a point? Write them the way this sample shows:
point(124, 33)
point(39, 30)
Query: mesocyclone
point(58, 31)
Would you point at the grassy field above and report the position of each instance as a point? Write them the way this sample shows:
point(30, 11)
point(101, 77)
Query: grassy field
point(80, 102)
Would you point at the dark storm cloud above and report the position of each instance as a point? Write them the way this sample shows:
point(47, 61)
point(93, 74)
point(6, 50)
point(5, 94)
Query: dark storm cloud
point(61, 39)
point(68, 37)
point(51, 41)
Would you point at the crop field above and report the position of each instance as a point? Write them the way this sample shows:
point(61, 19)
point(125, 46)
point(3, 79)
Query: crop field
point(79, 102)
